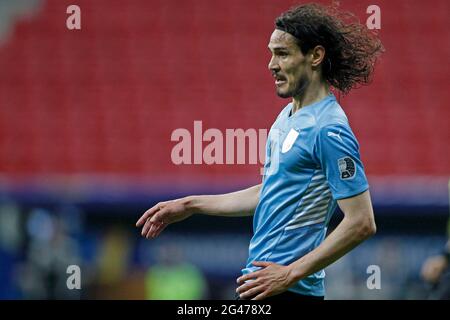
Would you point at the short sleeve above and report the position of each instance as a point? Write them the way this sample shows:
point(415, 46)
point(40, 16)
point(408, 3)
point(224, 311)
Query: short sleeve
point(337, 152)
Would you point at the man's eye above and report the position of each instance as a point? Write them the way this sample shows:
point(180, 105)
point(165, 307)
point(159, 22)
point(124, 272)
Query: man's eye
point(283, 54)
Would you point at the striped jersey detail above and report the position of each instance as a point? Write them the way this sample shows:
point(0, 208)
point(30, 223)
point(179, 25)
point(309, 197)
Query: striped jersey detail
point(314, 206)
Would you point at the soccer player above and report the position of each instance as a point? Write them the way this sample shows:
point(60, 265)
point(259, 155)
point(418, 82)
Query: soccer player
point(312, 161)
point(436, 271)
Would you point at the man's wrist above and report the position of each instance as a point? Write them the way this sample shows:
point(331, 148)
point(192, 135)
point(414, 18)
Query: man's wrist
point(294, 273)
point(191, 203)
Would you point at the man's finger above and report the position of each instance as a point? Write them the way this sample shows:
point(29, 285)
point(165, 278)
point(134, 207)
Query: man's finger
point(247, 286)
point(146, 227)
point(148, 234)
point(251, 292)
point(147, 214)
point(261, 263)
point(153, 230)
point(261, 296)
point(159, 216)
point(159, 230)
point(248, 276)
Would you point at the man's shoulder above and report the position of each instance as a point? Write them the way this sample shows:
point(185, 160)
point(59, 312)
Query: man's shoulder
point(331, 115)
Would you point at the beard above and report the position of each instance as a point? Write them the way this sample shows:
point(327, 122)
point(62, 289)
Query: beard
point(299, 89)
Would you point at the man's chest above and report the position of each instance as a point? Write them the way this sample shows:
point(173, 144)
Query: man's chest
point(290, 146)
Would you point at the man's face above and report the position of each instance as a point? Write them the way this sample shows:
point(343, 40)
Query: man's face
point(288, 65)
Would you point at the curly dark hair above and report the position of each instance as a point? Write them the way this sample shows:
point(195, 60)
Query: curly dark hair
point(351, 50)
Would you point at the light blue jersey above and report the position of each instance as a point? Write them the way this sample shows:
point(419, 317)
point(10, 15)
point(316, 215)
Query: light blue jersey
point(312, 160)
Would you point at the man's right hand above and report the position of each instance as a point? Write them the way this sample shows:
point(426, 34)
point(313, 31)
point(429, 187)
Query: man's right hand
point(157, 218)
point(433, 268)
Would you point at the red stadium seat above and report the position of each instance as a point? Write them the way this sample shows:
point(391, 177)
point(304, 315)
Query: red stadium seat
point(106, 99)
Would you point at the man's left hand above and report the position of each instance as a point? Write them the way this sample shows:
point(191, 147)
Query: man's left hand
point(272, 279)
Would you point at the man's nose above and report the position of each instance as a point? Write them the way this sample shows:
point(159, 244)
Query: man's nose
point(273, 65)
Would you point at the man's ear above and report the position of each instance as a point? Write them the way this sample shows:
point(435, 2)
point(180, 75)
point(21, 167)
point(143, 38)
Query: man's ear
point(317, 56)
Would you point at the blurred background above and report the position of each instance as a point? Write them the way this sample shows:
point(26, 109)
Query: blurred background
point(86, 118)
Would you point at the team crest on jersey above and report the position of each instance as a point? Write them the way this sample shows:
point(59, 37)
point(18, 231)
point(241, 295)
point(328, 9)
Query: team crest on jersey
point(289, 141)
point(347, 168)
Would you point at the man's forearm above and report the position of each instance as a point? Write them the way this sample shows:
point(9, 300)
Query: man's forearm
point(234, 204)
point(347, 235)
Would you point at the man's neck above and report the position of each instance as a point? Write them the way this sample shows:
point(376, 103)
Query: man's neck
point(316, 91)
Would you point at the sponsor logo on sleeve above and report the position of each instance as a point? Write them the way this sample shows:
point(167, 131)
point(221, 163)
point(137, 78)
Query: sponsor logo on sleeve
point(347, 168)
